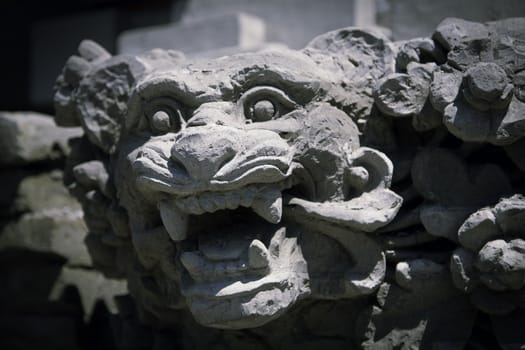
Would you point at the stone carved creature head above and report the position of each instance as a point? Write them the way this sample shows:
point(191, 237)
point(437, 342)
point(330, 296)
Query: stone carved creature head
point(234, 186)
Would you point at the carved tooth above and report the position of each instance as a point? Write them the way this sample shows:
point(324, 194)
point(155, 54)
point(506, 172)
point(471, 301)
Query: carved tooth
point(219, 201)
point(174, 220)
point(207, 204)
point(192, 206)
point(269, 205)
point(247, 195)
point(194, 264)
point(258, 255)
point(232, 200)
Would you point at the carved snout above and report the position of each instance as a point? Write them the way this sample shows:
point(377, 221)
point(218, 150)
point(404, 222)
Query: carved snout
point(230, 155)
point(202, 151)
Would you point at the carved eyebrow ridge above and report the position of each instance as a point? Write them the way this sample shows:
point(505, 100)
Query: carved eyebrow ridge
point(299, 89)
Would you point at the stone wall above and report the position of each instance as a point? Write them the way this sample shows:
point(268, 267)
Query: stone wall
point(51, 297)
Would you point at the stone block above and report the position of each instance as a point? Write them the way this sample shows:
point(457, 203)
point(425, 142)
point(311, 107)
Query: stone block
point(27, 137)
point(60, 232)
point(230, 30)
point(292, 22)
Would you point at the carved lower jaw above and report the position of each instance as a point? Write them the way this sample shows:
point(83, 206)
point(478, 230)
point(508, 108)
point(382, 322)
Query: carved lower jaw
point(256, 285)
point(240, 269)
point(266, 303)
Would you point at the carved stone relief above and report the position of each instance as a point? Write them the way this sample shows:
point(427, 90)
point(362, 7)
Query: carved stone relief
point(355, 180)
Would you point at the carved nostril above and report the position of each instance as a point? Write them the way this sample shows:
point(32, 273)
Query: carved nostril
point(200, 153)
point(196, 122)
point(177, 166)
point(180, 162)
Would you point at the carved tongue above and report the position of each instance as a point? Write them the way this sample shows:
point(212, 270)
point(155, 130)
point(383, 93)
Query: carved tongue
point(269, 205)
point(174, 220)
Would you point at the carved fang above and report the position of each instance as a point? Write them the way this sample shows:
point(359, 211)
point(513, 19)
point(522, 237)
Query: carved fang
point(258, 255)
point(269, 206)
point(174, 220)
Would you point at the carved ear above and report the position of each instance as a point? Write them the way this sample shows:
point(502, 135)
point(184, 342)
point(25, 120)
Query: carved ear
point(358, 58)
point(93, 91)
point(373, 204)
point(369, 170)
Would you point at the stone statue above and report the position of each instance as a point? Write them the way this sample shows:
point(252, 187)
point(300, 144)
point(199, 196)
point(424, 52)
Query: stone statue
point(272, 197)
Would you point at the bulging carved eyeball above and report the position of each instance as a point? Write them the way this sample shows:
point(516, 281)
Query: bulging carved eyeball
point(358, 177)
point(263, 110)
point(264, 103)
point(161, 121)
point(163, 115)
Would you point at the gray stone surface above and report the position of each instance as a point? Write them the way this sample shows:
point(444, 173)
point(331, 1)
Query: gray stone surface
point(27, 137)
point(490, 265)
point(240, 196)
point(58, 231)
point(486, 107)
point(231, 155)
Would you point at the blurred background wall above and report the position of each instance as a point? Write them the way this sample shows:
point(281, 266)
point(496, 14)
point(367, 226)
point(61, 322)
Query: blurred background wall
point(37, 36)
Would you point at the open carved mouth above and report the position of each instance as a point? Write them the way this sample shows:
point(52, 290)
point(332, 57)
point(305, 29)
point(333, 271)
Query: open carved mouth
point(264, 199)
point(238, 260)
point(240, 266)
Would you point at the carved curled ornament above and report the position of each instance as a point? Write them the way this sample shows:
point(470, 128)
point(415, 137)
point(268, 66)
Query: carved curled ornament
point(243, 188)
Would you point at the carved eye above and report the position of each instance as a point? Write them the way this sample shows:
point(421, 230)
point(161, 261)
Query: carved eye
point(161, 121)
point(164, 115)
point(263, 110)
point(265, 103)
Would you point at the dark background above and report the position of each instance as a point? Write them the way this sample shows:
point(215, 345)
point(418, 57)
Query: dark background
point(19, 25)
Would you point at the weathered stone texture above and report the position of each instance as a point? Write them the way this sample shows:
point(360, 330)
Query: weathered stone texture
point(359, 181)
